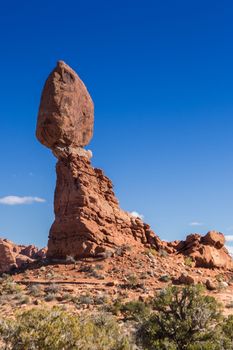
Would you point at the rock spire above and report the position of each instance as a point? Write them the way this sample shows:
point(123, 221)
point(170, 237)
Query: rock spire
point(88, 219)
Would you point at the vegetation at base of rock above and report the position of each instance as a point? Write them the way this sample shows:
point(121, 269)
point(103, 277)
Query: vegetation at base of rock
point(174, 319)
point(57, 329)
point(185, 319)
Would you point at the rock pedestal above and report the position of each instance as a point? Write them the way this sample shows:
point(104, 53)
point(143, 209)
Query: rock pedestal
point(88, 220)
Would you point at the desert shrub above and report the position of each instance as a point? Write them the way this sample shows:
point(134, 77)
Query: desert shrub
point(120, 251)
point(116, 307)
point(188, 261)
point(163, 253)
point(35, 290)
point(92, 271)
point(181, 319)
point(132, 282)
point(164, 278)
point(55, 329)
point(227, 327)
point(52, 288)
point(70, 259)
point(99, 267)
point(101, 299)
point(86, 299)
point(227, 333)
point(23, 299)
point(8, 286)
point(151, 252)
point(66, 297)
point(135, 310)
point(50, 297)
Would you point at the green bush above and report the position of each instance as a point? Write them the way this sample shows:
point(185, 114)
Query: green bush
point(55, 329)
point(188, 261)
point(135, 310)
point(181, 319)
point(227, 333)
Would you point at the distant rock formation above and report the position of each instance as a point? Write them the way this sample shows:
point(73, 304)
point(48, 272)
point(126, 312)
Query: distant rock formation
point(13, 256)
point(207, 251)
point(88, 219)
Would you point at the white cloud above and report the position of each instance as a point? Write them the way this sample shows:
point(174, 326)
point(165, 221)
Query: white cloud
point(15, 200)
point(195, 223)
point(229, 238)
point(137, 215)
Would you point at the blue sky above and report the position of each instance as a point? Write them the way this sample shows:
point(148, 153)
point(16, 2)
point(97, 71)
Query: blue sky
point(161, 77)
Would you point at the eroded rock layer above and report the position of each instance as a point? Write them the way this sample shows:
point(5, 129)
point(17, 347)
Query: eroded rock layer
point(88, 219)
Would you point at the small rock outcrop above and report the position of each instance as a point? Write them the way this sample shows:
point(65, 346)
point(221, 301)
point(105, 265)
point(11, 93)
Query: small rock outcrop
point(16, 256)
point(88, 219)
point(207, 251)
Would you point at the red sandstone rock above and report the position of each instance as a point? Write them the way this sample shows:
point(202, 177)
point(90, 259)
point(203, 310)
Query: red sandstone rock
point(66, 113)
point(185, 278)
point(207, 251)
point(22, 260)
point(7, 256)
point(29, 251)
point(215, 239)
point(41, 254)
point(210, 285)
point(15, 256)
point(88, 219)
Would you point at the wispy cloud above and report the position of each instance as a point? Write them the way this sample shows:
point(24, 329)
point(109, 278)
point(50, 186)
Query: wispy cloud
point(16, 200)
point(229, 238)
point(137, 215)
point(196, 223)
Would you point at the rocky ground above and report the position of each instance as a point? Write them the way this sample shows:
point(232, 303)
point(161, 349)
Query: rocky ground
point(100, 284)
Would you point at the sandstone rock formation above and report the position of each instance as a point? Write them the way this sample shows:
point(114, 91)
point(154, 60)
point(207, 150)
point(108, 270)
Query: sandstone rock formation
point(207, 251)
point(15, 256)
point(88, 219)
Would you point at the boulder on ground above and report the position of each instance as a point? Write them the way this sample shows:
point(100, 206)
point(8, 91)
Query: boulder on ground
point(207, 251)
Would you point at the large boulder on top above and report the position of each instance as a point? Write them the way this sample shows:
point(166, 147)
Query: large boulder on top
point(66, 112)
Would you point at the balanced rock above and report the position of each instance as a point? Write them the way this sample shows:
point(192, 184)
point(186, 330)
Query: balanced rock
point(88, 219)
point(66, 114)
